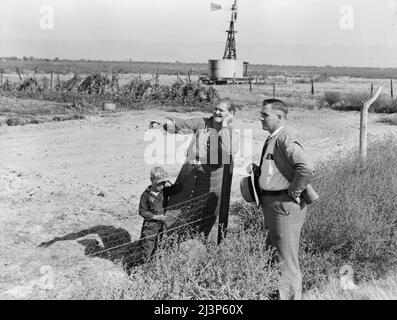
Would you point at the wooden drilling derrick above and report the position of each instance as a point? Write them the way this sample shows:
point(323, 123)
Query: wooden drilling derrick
point(228, 69)
point(230, 48)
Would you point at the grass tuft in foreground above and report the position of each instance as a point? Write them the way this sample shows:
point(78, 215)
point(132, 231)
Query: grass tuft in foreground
point(355, 219)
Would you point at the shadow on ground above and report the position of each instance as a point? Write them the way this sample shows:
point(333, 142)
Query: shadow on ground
point(116, 245)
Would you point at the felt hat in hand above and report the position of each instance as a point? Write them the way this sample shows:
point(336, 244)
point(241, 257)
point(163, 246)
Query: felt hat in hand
point(249, 189)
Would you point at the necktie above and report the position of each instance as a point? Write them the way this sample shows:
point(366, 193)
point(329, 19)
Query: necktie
point(264, 150)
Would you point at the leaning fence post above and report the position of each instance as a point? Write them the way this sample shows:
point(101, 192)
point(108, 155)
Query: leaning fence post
point(364, 121)
point(20, 78)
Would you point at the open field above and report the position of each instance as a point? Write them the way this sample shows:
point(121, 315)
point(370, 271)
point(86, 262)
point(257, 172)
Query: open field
point(70, 66)
point(346, 93)
point(62, 177)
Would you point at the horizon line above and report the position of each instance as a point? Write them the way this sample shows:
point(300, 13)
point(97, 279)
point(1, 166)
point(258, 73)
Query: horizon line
point(8, 58)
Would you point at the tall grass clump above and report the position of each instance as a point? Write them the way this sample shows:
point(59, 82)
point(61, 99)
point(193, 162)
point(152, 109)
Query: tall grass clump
point(353, 102)
point(239, 268)
point(331, 97)
point(355, 219)
point(382, 289)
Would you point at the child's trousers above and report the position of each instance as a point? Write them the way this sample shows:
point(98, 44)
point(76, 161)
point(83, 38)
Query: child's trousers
point(150, 235)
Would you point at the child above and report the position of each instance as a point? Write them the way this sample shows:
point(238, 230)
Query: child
point(151, 207)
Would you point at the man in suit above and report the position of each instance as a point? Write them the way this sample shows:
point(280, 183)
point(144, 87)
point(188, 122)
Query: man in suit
point(283, 178)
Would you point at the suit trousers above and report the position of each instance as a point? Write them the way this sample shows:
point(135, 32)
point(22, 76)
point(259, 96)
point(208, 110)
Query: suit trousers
point(284, 219)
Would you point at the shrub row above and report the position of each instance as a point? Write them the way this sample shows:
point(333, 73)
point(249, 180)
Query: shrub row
point(97, 88)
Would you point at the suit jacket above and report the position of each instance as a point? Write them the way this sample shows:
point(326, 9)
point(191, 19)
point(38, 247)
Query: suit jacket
point(294, 164)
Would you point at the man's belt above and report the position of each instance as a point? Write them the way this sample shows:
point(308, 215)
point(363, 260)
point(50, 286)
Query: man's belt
point(273, 192)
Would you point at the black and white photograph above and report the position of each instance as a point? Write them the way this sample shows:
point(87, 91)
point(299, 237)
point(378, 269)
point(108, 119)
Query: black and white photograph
point(221, 152)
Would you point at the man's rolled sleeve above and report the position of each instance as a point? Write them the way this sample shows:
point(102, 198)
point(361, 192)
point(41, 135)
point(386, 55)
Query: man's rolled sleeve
point(185, 126)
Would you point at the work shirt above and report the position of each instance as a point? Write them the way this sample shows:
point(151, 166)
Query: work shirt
point(152, 204)
point(271, 178)
point(208, 146)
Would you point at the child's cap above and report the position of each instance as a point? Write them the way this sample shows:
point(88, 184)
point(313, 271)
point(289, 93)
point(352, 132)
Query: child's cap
point(158, 174)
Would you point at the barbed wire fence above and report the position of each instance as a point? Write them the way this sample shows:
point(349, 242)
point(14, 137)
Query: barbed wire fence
point(183, 220)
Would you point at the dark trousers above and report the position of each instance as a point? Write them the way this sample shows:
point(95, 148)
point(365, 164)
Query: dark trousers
point(150, 236)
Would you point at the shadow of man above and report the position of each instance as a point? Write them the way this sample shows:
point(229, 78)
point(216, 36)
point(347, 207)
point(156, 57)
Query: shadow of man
point(116, 245)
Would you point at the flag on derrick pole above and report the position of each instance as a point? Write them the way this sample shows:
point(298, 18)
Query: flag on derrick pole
point(215, 6)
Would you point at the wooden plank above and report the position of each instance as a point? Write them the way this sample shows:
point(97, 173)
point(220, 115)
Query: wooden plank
point(225, 200)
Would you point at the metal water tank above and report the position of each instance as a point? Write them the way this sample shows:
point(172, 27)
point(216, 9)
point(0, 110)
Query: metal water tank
point(225, 68)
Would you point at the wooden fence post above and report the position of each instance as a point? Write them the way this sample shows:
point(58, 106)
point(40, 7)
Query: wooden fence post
point(52, 73)
point(274, 90)
point(1, 78)
point(372, 89)
point(20, 78)
point(312, 81)
point(188, 75)
point(364, 121)
point(391, 89)
point(250, 82)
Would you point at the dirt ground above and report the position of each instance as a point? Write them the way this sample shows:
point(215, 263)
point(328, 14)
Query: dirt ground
point(61, 177)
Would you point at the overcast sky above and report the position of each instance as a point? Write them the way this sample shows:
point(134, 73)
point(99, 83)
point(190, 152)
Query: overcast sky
point(269, 31)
